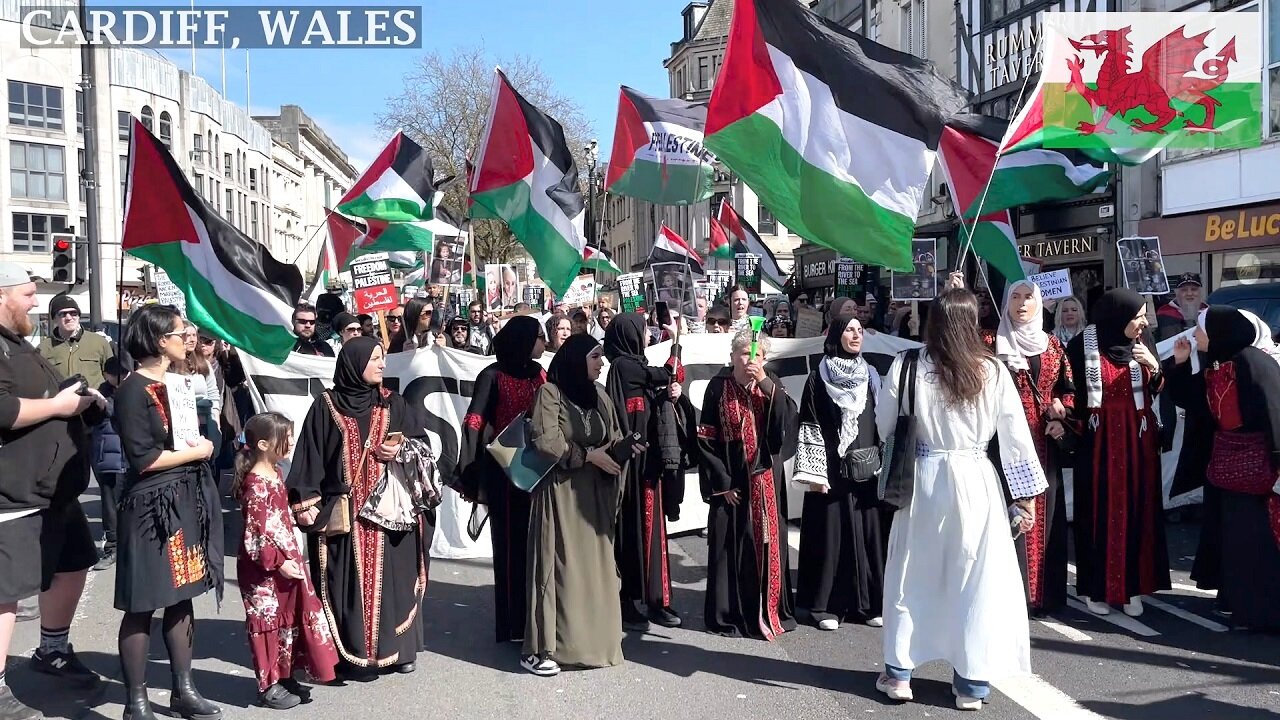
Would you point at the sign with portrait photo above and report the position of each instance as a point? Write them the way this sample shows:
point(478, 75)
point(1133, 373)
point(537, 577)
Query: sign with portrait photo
point(921, 283)
point(1143, 265)
point(446, 261)
point(502, 287)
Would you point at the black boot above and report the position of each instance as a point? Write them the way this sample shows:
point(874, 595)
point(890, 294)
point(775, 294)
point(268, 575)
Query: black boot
point(138, 707)
point(187, 701)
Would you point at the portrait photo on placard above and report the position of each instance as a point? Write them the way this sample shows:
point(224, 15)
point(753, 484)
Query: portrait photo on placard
point(446, 262)
point(1143, 265)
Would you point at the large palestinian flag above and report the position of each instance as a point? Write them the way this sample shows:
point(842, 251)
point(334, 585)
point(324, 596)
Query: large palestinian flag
point(400, 185)
point(657, 151)
point(524, 174)
point(234, 288)
point(967, 167)
point(834, 133)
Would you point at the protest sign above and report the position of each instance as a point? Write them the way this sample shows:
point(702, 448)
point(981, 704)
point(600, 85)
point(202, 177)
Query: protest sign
point(372, 288)
point(1053, 285)
point(535, 295)
point(921, 283)
point(1143, 265)
point(746, 270)
point(631, 287)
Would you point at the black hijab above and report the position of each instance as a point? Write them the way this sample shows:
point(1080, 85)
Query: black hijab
point(625, 337)
point(351, 394)
point(1229, 332)
point(1111, 314)
point(342, 320)
point(833, 347)
point(569, 371)
point(413, 318)
point(513, 347)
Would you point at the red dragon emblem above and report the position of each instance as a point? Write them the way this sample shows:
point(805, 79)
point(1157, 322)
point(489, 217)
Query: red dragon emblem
point(1165, 75)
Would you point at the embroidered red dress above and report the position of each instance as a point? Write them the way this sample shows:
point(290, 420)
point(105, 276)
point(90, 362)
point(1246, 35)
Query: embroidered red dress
point(284, 618)
point(743, 437)
point(1119, 516)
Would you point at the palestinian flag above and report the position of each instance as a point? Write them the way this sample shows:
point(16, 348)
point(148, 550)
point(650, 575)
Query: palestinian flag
point(399, 186)
point(398, 237)
point(671, 248)
point(657, 151)
point(416, 277)
point(834, 133)
point(718, 244)
point(967, 166)
point(525, 174)
point(744, 239)
point(1196, 85)
point(597, 259)
point(234, 288)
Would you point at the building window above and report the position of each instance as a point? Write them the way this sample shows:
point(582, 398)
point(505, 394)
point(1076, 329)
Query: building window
point(124, 121)
point(1273, 65)
point(231, 207)
point(704, 72)
point(124, 177)
point(31, 231)
point(35, 106)
point(166, 128)
point(79, 112)
point(253, 179)
point(80, 175)
point(197, 149)
point(226, 165)
point(768, 224)
point(148, 118)
point(914, 28)
point(199, 184)
point(253, 220)
point(36, 172)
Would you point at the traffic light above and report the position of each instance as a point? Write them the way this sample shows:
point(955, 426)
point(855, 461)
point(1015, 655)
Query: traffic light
point(64, 257)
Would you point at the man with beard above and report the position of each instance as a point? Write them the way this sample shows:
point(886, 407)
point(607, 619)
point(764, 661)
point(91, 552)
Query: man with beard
point(71, 350)
point(1182, 312)
point(480, 339)
point(1176, 316)
point(45, 542)
point(305, 323)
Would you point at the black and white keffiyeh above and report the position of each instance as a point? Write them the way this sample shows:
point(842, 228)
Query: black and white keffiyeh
point(847, 380)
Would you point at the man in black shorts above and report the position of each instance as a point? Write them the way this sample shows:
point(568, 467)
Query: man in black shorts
point(45, 542)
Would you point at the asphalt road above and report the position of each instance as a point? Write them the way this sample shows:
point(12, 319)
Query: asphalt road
point(1175, 662)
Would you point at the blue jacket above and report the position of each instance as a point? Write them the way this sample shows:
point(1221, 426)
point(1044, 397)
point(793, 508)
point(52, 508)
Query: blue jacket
point(107, 454)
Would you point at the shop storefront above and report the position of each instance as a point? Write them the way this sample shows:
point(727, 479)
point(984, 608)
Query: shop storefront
point(1237, 246)
point(1086, 254)
point(816, 271)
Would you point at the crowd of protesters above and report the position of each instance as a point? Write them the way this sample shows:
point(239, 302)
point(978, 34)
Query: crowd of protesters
point(948, 538)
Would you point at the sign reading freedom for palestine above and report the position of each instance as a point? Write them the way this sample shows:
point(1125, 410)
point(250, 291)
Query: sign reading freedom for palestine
point(372, 288)
point(223, 27)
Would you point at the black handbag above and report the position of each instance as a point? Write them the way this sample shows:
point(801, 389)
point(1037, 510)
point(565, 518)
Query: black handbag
point(862, 464)
point(898, 475)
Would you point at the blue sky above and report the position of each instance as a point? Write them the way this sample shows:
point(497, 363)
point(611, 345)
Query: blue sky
point(587, 47)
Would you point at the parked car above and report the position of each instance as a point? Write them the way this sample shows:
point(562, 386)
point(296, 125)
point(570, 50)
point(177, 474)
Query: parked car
point(1262, 299)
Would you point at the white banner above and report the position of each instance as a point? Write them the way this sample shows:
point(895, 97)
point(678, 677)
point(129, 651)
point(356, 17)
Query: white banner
point(439, 381)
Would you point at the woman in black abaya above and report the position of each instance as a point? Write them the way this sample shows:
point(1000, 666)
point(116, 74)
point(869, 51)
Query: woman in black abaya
point(844, 527)
point(502, 392)
point(371, 578)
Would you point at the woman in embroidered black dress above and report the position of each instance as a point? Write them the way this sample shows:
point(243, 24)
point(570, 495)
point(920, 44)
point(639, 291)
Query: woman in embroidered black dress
point(746, 431)
point(1121, 553)
point(1240, 391)
point(1043, 378)
point(646, 399)
point(844, 527)
point(169, 522)
point(501, 393)
point(370, 578)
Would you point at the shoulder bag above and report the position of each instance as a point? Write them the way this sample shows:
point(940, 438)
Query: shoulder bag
point(898, 475)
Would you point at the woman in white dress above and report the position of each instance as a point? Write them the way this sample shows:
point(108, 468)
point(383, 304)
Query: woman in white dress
point(953, 590)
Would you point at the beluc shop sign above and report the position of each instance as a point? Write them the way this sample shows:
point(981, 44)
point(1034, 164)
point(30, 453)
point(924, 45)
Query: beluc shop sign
point(1233, 229)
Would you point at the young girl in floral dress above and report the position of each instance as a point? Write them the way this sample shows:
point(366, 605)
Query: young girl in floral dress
point(286, 623)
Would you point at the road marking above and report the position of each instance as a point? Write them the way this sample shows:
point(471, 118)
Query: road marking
point(1065, 630)
point(1193, 589)
point(1042, 699)
point(1116, 617)
point(1188, 616)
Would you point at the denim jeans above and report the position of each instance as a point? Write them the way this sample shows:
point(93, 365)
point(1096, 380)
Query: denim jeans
point(979, 689)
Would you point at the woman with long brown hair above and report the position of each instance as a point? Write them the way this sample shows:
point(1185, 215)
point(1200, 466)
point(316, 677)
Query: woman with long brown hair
point(952, 587)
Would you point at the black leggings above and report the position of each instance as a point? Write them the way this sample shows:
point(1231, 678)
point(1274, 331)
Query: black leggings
point(135, 638)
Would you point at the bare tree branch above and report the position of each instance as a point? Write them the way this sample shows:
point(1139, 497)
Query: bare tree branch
point(444, 107)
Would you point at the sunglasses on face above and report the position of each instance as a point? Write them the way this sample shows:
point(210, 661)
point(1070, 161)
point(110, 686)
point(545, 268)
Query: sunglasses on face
point(395, 318)
point(69, 313)
point(720, 322)
point(305, 322)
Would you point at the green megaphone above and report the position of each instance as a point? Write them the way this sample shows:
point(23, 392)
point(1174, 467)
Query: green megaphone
point(757, 324)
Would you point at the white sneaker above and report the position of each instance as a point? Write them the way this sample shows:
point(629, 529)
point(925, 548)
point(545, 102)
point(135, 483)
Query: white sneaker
point(964, 702)
point(829, 624)
point(895, 689)
point(876, 622)
point(540, 666)
point(1133, 608)
point(1097, 608)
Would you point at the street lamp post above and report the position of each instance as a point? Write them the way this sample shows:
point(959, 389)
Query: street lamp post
point(593, 157)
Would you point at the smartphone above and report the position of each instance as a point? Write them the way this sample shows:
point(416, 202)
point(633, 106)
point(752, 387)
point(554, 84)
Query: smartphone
point(394, 438)
point(663, 310)
point(624, 449)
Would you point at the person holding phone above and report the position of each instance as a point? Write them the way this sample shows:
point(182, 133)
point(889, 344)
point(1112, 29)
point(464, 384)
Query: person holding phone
point(573, 616)
point(344, 445)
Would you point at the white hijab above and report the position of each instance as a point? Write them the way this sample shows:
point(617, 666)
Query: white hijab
point(1015, 342)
